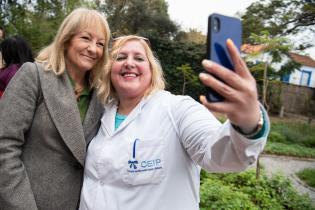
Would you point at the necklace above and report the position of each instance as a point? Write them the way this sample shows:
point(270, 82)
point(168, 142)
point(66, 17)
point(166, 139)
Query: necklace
point(78, 91)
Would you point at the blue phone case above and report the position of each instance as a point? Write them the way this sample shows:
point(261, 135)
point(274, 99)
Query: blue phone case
point(221, 28)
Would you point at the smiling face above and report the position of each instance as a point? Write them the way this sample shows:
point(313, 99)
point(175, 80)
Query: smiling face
point(84, 51)
point(131, 73)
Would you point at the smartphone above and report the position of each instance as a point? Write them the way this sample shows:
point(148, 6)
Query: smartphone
point(221, 28)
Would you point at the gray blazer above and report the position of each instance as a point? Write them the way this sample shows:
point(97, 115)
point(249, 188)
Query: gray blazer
point(42, 141)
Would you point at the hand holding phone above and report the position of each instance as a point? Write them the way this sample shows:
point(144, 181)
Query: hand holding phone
point(240, 104)
point(221, 28)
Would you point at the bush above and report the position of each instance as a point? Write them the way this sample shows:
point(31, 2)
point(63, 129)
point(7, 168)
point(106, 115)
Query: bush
point(294, 133)
point(275, 136)
point(244, 191)
point(291, 139)
point(308, 176)
point(309, 141)
point(215, 195)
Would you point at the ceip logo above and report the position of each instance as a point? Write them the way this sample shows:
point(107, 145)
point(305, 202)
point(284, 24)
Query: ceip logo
point(133, 163)
point(143, 165)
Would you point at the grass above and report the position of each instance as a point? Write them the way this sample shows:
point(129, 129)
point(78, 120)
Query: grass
point(294, 133)
point(291, 138)
point(295, 150)
point(308, 176)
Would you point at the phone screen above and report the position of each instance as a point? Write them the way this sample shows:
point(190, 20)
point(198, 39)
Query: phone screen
point(221, 28)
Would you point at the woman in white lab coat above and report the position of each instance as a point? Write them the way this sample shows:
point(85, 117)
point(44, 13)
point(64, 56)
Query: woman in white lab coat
point(151, 144)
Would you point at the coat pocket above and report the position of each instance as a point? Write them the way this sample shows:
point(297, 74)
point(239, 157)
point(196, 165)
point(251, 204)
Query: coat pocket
point(145, 164)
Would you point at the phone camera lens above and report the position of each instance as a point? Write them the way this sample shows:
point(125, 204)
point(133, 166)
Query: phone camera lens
point(216, 24)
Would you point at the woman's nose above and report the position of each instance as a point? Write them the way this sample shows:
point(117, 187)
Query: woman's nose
point(92, 47)
point(129, 63)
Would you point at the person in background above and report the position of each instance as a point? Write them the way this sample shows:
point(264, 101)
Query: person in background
point(15, 51)
point(2, 37)
point(151, 144)
point(49, 113)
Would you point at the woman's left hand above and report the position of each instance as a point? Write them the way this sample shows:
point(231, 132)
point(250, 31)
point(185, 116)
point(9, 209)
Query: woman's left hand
point(241, 105)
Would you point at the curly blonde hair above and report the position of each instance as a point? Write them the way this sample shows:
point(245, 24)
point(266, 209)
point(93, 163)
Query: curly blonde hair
point(106, 90)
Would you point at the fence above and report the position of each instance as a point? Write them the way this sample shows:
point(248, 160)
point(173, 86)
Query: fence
point(292, 99)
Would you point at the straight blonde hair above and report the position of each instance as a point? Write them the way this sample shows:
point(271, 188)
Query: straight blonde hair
point(106, 90)
point(53, 56)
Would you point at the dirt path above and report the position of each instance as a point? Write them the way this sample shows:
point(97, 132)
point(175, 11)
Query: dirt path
point(288, 166)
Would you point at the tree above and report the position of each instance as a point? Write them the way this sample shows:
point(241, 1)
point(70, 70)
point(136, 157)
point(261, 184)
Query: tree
point(274, 50)
point(36, 20)
point(12, 14)
point(192, 36)
point(144, 17)
point(278, 17)
point(188, 75)
point(173, 54)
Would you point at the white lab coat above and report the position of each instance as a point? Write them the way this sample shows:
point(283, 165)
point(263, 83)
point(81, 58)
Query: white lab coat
point(152, 161)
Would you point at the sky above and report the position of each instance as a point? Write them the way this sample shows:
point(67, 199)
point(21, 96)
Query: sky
point(194, 13)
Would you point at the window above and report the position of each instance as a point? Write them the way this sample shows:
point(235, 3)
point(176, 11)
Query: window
point(286, 78)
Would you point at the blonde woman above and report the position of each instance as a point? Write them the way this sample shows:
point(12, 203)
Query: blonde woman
point(151, 144)
point(49, 113)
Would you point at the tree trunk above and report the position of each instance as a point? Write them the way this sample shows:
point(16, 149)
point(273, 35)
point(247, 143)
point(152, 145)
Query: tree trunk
point(281, 113)
point(257, 168)
point(265, 85)
point(184, 84)
point(184, 87)
point(264, 102)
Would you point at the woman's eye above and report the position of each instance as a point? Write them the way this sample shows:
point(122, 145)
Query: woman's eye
point(85, 37)
point(120, 58)
point(139, 59)
point(101, 45)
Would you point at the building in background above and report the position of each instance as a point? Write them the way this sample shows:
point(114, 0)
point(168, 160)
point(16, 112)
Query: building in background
point(296, 92)
point(305, 75)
